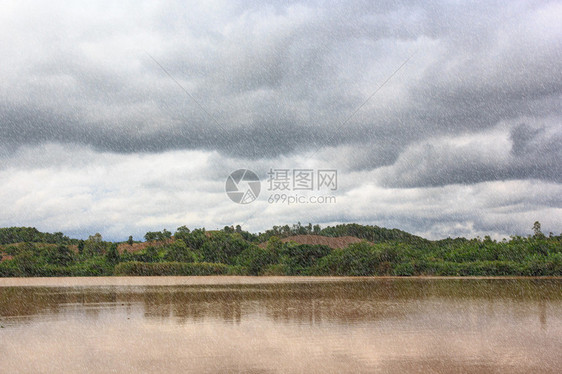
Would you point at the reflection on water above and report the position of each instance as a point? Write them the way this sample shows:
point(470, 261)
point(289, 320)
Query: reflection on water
point(359, 325)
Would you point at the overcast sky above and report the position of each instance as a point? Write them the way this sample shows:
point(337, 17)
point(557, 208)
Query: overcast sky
point(125, 117)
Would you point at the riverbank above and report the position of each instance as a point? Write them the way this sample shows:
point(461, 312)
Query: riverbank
point(215, 280)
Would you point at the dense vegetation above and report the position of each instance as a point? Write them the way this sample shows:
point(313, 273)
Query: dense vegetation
point(367, 232)
point(232, 251)
point(30, 234)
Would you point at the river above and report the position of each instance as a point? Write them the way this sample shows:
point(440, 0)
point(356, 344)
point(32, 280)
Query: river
point(280, 325)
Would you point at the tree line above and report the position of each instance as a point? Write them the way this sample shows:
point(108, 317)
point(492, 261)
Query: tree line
point(234, 251)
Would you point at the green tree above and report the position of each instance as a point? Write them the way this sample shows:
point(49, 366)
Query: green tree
point(274, 244)
point(178, 251)
point(151, 254)
point(94, 245)
point(255, 259)
point(157, 235)
point(165, 234)
point(130, 241)
point(357, 259)
point(127, 256)
point(27, 262)
point(223, 247)
point(81, 244)
point(304, 255)
point(151, 236)
point(96, 238)
point(537, 230)
point(182, 233)
point(61, 255)
point(183, 230)
point(196, 239)
point(112, 255)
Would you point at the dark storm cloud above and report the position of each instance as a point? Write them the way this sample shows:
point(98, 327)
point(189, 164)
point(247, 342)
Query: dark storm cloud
point(529, 152)
point(35, 126)
point(279, 79)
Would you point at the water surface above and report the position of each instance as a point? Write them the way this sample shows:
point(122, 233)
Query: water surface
point(280, 325)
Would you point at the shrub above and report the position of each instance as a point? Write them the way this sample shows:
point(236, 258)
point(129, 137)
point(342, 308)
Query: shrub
point(404, 269)
point(170, 268)
point(255, 259)
point(237, 270)
point(278, 269)
point(356, 260)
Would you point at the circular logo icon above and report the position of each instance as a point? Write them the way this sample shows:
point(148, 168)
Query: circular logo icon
point(243, 186)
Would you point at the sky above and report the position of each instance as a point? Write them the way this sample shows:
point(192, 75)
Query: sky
point(440, 118)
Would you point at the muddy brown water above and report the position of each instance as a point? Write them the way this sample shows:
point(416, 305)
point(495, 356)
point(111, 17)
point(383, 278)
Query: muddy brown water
point(280, 325)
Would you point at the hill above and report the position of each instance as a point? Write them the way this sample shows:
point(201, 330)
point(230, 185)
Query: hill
point(332, 242)
point(12, 235)
point(137, 247)
point(373, 234)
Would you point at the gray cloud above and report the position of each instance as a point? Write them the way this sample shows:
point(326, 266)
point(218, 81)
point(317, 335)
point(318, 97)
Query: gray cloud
point(520, 152)
point(279, 69)
point(478, 102)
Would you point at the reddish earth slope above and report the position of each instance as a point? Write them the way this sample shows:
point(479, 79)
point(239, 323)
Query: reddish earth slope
point(136, 247)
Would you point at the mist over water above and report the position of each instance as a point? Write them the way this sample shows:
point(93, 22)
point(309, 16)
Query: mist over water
point(280, 325)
